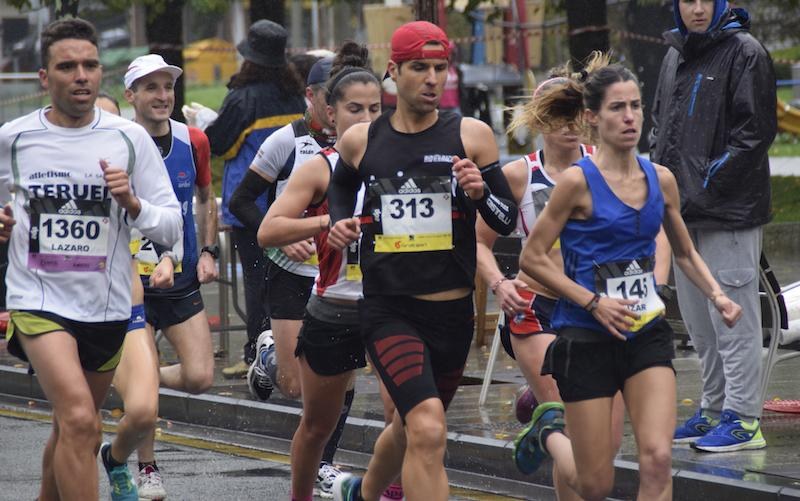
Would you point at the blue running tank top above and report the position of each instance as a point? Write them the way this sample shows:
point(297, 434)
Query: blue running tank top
point(182, 173)
point(613, 252)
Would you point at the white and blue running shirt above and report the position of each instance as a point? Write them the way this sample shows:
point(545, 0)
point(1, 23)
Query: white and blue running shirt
point(69, 252)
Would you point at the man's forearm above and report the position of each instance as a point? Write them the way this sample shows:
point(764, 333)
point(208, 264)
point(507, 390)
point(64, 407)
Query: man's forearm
point(206, 216)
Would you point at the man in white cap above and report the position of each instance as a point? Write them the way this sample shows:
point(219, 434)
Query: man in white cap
point(171, 278)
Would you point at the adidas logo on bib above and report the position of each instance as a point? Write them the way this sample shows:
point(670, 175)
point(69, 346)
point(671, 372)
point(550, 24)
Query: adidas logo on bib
point(409, 187)
point(70, 209)
point(633, 269)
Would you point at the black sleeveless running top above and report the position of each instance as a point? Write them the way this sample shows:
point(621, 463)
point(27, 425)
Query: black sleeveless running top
point(418, 225)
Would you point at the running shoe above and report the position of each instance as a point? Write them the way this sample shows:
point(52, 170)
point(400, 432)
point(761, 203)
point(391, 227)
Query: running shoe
point(120, 478)
point(732, 434)
point(258, 381)
point(529, 449)
point(346, 486)
point(524, 404)
point(325, 476)
point(392, 493)
point(151, 485)
point(694, 427)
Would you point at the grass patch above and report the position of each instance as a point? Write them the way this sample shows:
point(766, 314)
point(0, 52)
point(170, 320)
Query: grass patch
point(785, 145)
point(217, 165)
point(792, 53)
point(785, 199)
point(210, 96)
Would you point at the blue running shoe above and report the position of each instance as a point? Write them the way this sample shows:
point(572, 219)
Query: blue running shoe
point(694, 427)
point(529, 451)
point(345, 487)
point(732, 434)
point(122, 486)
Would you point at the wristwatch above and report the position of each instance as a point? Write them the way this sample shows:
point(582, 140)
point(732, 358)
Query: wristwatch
point(211, 249)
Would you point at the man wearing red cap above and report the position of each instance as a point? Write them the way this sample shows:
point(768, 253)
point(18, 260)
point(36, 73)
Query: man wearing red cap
point(427, 174)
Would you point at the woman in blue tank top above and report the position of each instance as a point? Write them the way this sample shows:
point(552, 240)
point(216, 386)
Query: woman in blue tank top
point(526, 304)
point(607, 211)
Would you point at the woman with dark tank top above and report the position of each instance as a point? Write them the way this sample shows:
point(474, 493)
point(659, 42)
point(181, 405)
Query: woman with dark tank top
point(329, 346)
point(607, 211)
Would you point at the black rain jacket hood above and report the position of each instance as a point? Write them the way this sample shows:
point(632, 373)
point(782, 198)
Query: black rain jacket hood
point(714, 119)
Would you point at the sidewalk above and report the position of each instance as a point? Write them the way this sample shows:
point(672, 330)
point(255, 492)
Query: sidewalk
point(480, 438)
point(784, 166)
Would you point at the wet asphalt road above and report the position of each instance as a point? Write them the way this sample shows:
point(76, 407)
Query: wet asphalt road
point(192, 469)
point(197, 463)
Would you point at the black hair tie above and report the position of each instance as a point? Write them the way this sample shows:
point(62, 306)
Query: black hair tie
point(347, 70)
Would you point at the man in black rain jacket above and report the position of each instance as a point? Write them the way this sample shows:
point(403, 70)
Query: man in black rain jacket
point(714, 120)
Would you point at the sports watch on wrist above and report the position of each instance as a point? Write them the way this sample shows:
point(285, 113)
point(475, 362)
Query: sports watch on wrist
point(211, 249)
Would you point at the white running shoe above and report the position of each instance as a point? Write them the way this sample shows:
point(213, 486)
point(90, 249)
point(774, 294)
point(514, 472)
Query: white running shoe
point(325, 476)
point(258, 381)
point(150, 484)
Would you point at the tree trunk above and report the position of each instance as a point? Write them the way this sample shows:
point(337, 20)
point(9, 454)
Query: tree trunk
point(164, 28)
point(427, 10)
point(649, 19)
point(587, 23)
point(66, 8)
point(274, 10)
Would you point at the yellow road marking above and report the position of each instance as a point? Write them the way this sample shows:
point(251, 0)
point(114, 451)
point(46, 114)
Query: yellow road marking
point(233, 450)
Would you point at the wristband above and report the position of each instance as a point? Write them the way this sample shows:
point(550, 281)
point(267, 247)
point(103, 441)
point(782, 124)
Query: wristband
point(592, 305)
point(172, 257)
point(496, 284)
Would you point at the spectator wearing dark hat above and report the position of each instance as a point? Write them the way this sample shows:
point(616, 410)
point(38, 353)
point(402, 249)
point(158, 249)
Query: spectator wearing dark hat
point(269, 171)
point(264, 96)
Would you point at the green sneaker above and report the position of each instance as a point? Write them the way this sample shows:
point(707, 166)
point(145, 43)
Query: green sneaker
point(122, 486)
point(529, 451)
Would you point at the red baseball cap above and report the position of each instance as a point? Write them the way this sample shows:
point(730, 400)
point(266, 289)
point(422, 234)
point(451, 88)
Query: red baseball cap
point(408, 42)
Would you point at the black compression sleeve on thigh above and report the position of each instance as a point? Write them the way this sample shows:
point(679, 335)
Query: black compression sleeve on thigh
point(333, 442)
point(497, 206)
point(342, 191)
point(243, 201)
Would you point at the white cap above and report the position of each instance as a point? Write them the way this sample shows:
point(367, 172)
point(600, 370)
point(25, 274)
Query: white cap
point(145, 65)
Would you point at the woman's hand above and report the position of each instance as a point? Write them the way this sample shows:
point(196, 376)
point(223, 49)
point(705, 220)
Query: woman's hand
point(614, 315)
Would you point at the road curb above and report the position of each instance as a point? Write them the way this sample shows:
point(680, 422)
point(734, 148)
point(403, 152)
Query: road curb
point(468, 457)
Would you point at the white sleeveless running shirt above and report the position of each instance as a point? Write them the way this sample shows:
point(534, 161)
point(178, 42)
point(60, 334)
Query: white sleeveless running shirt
point(537, 193)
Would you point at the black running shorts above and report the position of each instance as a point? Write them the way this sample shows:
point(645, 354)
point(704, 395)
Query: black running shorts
point(163, 312)
point(99, 343)
point(330, 339)
point(286, 293)
point(588, 364)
